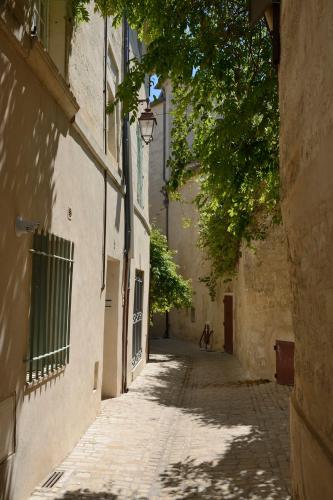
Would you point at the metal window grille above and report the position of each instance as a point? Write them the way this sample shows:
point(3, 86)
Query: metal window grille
point(137, 319)
point(51, 293)
point(139, 163)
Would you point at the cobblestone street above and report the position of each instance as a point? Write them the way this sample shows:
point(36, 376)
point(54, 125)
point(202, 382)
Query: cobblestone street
point(191, 427)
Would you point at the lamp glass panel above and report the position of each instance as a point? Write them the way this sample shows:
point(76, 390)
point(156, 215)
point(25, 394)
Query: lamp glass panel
point(147, 127)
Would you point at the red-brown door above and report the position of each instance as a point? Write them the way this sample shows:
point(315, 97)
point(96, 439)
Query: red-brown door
point(284, 362)
point(228, 324)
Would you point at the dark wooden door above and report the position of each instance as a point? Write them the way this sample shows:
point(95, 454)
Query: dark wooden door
point(228, 324)
point(284, 362)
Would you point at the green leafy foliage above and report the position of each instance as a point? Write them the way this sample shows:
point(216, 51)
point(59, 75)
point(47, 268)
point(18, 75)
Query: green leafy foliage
point(80, 11)
point(168, 288)
point(225, 113)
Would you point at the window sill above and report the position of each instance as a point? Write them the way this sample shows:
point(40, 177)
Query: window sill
point(49, 75)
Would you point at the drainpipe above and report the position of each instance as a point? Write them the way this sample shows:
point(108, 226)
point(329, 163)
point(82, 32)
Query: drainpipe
point(127, 203)
point(105, 148)
point(166, 201)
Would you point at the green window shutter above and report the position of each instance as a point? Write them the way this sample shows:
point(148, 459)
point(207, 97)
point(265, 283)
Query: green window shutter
point(139, 163)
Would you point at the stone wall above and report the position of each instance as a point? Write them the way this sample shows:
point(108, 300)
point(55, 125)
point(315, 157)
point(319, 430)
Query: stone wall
point(262, 312)
point(306, 106)
point(262, 302)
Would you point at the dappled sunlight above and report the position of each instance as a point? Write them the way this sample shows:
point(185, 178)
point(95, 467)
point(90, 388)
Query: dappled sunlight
point(30, 131)
point(192, 425)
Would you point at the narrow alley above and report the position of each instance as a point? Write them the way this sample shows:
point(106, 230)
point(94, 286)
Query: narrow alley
point(191, 426)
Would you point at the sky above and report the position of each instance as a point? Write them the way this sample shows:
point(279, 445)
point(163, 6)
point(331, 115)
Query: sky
point(154, 93)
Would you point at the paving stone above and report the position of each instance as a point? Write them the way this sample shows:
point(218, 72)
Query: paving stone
point(189, 427)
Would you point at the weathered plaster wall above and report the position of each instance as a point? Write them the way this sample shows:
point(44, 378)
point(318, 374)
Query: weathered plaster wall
point(262, 304)
point(306, 105)
point(86, 64)
point(39, 180)
point(46, 167)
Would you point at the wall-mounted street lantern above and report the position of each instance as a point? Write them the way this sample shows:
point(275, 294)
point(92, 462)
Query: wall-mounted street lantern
point(271, 10)
point(147, 122)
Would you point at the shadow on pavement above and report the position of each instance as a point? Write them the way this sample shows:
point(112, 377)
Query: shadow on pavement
point(215, 479)
point(229, 438)
point(252, 415)
point(86, 494)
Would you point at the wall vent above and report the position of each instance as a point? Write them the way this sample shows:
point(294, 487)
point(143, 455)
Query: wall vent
point(53, 479)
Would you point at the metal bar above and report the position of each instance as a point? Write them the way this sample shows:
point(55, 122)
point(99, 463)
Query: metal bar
point(66, 291)
point(52, 302)
point(47, 301)
point(38, 305)
point(53, 255)
point(64, 348)
point(56, 303)
point(70, 297)
point(43, 303)
point(59, 295)
point(33, 313)
point(62, 264)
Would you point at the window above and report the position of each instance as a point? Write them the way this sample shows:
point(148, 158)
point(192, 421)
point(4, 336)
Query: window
point(137, 319)
point(139, 169)
point(113, 127)
point(112, 69)
point(49, 20)
point(40, 21)
point(113, 118)
point(51, 292)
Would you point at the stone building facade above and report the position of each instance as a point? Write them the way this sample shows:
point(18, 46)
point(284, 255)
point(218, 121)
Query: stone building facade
point(259, 297)
point(188, 324)
point(262, 304)
point(306, 144)
point(63, 165)
point(178, 221)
